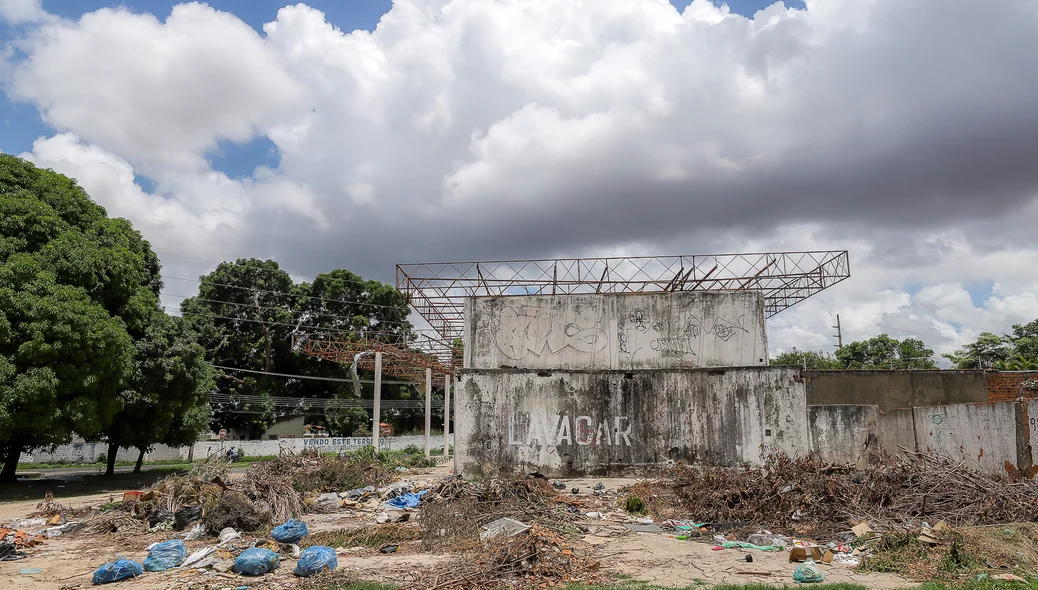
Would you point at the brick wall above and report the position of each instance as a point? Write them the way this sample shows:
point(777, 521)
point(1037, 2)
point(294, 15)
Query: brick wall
point(1006, 386)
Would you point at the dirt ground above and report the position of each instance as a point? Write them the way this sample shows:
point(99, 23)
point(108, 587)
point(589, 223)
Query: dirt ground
point(69, 561)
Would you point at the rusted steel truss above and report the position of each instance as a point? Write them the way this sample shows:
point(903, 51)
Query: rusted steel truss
point(437, 291)
point(407, 362)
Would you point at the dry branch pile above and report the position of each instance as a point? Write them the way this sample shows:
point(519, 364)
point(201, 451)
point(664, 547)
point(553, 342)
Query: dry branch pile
point(536, 559)
point(805, 497)
point(456, 510)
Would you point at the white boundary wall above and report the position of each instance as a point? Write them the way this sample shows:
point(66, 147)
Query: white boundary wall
point(89, 452)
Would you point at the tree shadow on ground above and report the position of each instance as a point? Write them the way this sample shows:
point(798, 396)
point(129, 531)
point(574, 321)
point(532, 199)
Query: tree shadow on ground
point(78, 484)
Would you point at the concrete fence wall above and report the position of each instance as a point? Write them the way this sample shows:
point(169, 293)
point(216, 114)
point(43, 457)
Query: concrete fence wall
point(612, 422)
point(992, 437)
point(89, 452)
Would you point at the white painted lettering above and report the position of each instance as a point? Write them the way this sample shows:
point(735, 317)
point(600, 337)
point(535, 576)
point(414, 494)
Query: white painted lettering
point(563, 433)
point(622, 433)
point(603, 432)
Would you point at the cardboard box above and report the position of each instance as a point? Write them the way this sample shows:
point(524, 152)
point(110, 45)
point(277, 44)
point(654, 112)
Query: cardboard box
point(802, 553)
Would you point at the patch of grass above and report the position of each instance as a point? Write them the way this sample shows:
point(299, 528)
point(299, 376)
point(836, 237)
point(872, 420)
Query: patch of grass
point(342, 581)
point(368, 536)
point(66, 465)
point(634, 505)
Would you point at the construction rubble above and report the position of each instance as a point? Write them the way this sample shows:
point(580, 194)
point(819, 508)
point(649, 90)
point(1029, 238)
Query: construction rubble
point(919, 516)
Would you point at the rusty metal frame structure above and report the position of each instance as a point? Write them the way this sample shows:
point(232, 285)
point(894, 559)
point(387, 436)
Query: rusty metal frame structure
point(405, 361)
point(437, 291)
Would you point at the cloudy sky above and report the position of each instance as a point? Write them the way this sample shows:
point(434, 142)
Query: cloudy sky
point(366, 133)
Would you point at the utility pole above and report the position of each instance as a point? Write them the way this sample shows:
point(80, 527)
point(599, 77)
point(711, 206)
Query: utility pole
point(839, 333)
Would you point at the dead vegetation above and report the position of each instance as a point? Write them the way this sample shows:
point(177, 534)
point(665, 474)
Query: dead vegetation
point(803, 497)
point(365, 536)
point(454, 513)
point(536, 559)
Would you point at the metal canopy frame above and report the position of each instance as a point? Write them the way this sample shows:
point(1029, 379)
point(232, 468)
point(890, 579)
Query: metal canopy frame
point(437, 290)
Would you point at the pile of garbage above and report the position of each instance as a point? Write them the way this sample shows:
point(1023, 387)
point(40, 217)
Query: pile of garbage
point(528, 556)
point(233, 553)
point(455, 511)
point(804, 497)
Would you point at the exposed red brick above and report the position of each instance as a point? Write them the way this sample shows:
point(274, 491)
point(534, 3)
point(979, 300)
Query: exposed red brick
point(1007, 386)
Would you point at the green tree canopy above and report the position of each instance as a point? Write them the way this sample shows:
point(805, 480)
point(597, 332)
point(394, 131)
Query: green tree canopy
point(814, 360)
point(74, 287)
point(247, 314)
point(884, 352)
point(167, 398)
point(1016, 351)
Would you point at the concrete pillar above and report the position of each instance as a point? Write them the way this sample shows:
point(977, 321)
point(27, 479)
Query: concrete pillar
point(428, 409)
point(376, 408)
point(446, 413)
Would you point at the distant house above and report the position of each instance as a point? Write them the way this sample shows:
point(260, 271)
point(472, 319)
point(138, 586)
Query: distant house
point(283, 427)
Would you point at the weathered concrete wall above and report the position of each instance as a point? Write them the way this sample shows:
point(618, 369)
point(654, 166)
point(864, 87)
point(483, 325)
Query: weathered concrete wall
point(891, 390)
point(843, 434)
point(897, 430)
point(616, 331)
point(983, 435)
point(608, 422)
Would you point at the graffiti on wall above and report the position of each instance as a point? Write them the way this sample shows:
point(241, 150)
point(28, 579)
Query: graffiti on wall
point(545, 429)
point(526, 330)
point(638, 336)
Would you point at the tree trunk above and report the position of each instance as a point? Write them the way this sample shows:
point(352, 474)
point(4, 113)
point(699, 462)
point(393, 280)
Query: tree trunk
point(113, 450)
point(140, 461)
point(14, 452)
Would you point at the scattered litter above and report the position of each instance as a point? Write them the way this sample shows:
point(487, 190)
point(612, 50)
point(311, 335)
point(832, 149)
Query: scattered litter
point(748, 558)
point(508, 527)
point(383, 518)
point(804, 551)
point(120, 569)
point(599, 487)
point(20, 539)
point(8, 552)
point(228, 534)
point(575, 491)
point(315, 560)
point(256, 562)
point(292, 531)
point(409, 500)
point(198, 557)
point(185, 516)
point(28, 571)
point(196, 532)
point(808, 573)
point(388, 549)
point(595, 515)
point(643, 528)
point(158, 516)
point(57, 531)
point(861, 529)
point(165, 555)
point(558, 485)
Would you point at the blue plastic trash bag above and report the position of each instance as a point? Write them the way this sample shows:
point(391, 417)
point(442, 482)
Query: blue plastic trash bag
point(291, 532)
point(314, 560)
point(407, 500)
point(165, 555)
point(120, 569)
point(256, 562)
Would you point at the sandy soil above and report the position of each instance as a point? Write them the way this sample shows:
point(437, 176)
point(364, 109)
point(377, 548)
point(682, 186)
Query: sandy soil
point(69, 561)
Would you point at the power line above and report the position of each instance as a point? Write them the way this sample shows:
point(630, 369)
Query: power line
point(336, 379)
point(320, 314)
point(254, 290)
